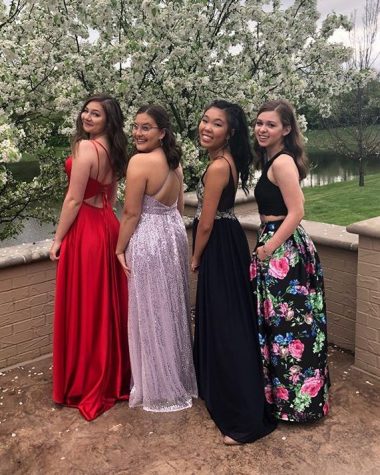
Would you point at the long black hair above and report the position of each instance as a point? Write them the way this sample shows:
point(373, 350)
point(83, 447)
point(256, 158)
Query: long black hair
point(293, 142)
point(114, 130)
point(170, 147)
point(238, 142)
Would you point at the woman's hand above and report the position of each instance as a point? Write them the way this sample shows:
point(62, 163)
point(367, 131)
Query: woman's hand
point(262, 253)
point(54, 250)
point(123, 263)
point(194, 266)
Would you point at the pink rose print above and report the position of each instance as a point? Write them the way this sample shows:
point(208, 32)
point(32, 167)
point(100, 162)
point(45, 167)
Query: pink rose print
point(311, 386)
point(289, 315)
point(276, 349)
point(308, 318)
point(301, 289)
point(295, 371)
point(326, 408)
point(265, 352)
point(253, 270)
point(284, 352)
point(283, 309)
point(296, 348)
point(268, 309)
point(278, 268)
point(282, 393)
point(268, 393)
point(310, 269)
point(294, 378)
point(284, 417)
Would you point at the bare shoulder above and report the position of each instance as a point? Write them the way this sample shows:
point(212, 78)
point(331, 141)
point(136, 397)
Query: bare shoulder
point(179, 170)
point(84, 150)
point(283, 160)
point(285, 166)
point(137, 160)
point(218, 167)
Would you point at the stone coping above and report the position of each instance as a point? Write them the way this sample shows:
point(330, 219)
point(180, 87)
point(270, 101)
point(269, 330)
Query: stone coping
point(191, 198)
point(24, 253)
point(321, 233)
point(368, 228)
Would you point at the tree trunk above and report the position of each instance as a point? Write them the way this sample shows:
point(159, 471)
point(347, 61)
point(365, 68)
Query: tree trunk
point(361, 172)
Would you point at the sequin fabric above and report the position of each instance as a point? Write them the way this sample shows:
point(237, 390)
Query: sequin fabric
point(163, 376)
point(228, 213)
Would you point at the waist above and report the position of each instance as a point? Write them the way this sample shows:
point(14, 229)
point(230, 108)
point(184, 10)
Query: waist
point(271, 218)
point(271, 225)
point(226, 214)
point(159, 211)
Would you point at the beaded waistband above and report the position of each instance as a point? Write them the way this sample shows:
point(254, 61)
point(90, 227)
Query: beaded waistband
point(227, 214)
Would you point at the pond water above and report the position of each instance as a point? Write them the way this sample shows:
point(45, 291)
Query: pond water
point(324, 170)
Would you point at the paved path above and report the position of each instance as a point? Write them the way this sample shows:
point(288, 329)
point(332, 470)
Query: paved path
point(36, 437)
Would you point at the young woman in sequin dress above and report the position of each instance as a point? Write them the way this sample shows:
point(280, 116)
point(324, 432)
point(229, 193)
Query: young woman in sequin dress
point(153, 251)
point(287, 274)
point(226, 350)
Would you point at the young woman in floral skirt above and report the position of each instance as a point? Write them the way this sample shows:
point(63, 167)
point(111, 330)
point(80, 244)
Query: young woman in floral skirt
point(287, 275)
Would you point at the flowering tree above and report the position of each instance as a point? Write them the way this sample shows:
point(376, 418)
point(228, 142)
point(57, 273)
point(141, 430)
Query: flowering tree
point(180, 53)
point(359, 108)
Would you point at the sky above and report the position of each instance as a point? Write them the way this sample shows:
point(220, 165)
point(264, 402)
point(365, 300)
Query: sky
point(346, 7)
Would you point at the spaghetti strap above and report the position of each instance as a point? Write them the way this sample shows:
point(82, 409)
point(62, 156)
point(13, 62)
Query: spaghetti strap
point(97, 153)
point(166, 179)
point(103, 147)
point(229, 164)
point(176, 174)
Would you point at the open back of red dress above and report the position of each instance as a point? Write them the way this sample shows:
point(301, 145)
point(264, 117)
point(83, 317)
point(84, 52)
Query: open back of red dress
point(91, 368)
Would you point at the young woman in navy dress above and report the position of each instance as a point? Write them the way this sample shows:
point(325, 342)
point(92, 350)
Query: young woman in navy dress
point(226, 351)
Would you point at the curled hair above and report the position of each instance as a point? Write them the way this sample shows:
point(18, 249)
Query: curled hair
point(293, 143)
point(117, 139)
point(239, 143)
point(170, 147)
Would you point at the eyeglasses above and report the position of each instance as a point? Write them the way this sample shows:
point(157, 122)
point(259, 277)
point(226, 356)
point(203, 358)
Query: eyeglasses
point(144, 128)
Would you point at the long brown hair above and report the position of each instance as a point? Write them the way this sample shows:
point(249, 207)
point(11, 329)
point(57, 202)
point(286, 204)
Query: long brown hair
point(293, 142)
point(114, 130)
point(172, 150)
point(239, 144)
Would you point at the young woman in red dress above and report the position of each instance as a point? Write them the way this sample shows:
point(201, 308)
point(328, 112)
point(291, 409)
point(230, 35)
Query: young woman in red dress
point(91, 368)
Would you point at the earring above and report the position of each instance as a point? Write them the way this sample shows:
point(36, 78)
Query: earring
point(161, 143)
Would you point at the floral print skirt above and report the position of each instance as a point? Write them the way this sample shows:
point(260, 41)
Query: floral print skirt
point(291, 309)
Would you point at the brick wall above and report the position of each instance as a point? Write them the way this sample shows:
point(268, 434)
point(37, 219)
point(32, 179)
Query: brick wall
point(367, 340)
point(340, 268)
point(352, 278)
point(26, 311)
point(338, 254)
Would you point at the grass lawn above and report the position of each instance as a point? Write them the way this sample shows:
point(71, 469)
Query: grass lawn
point(320, 141)
point(343, 203)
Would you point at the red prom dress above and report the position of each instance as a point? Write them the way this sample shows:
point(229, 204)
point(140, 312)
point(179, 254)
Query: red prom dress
point(91, 368)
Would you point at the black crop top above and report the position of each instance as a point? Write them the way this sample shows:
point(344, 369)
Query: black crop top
point(268, 195)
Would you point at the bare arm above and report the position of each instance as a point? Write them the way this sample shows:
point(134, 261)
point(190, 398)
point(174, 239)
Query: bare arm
point(180, 202)
point(135, 188)
point(80, 173)
point(286, 176)
point(215, 180)
point(114, 193)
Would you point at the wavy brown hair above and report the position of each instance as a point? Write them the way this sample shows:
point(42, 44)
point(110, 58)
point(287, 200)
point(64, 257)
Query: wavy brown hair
point(114, 130)
point(293, 142)
point(239, 143)
point(172, 150)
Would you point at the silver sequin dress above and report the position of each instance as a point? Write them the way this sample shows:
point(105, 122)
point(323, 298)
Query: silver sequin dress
point(163, 376)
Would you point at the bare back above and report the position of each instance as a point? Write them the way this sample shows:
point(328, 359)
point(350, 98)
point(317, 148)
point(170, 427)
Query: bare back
point(101, 170)
point(163, 184)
